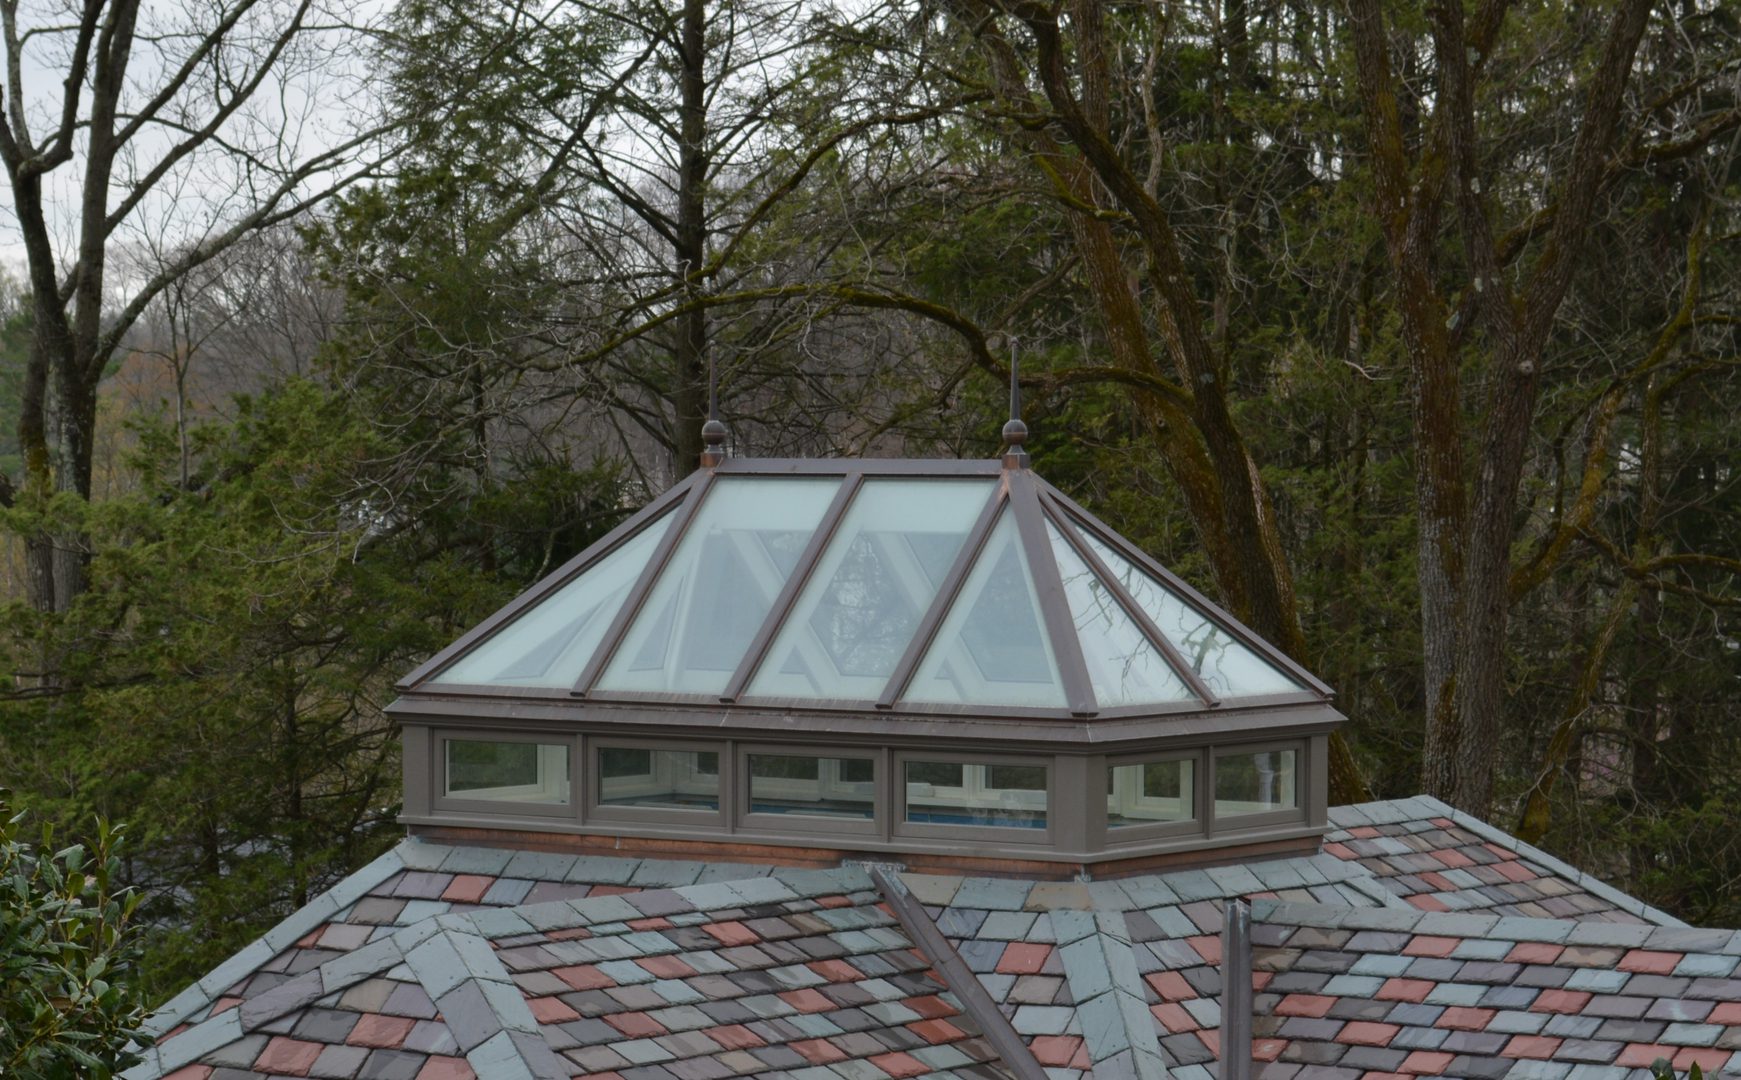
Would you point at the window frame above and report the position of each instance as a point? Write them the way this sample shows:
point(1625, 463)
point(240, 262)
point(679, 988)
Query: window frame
point(901, 827)
point(596, 810)
point(1196, 825)
point(441, 801)
point(1262, 819)
point(748, 821)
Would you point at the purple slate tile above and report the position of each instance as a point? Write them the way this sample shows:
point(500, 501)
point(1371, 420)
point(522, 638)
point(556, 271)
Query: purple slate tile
point(421, 885)
point(1594, 1051)
point(409, 999)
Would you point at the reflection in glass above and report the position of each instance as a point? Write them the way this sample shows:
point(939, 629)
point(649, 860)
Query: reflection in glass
point(519, 772)
point(799, 785)
point(1255, 783)
point(549, 644)
point(945, 793)
point(1150, 793)
point(1226, 665)
point(666, 779)
point(871, 587)
point(992, 648)
point(716, 589)
point(1124, 667)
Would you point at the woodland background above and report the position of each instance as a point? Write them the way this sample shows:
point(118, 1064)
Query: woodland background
point(1407, 331)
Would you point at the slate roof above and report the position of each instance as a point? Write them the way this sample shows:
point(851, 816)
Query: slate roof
point(438, 962)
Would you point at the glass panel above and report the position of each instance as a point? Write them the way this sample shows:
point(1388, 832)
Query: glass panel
point(507, 771)
point(667, 779)
point(1124, 667)
point(1150, 792)
point(872, 586)
point(1255, 783)
point(992, 648)
point(1230, 669)
point(1008, 796)
point(549, 644)
point(813, 786)
point(712, 596)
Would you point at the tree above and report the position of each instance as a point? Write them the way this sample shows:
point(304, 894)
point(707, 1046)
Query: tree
point(201, 122)
point(69, 1006)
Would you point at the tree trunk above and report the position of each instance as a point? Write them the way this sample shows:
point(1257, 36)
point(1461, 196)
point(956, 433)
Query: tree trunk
point(690, 397)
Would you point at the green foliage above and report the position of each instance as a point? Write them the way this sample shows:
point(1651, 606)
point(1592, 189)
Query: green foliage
point(68, 950)
point(1661, 1069)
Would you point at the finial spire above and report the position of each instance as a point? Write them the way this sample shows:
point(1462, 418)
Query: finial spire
point(1015, 433)
point(713, 433)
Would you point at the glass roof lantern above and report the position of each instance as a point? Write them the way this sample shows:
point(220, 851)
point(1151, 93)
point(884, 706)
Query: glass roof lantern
point(927, 586)
point(949, 663)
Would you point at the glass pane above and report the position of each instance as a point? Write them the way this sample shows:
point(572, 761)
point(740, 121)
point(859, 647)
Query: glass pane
point(1124, 667)
point(1008, 796)
point(1255, 783)
point(1230, 669)
point(812, 786)
point(668, 779)
point(992, 648)
point(549, 644)
point(507, 771)
point(1150, 792)
point(872, 586)
point(712, 596)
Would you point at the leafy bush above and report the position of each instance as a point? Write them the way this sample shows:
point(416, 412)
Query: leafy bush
point(68, 1005)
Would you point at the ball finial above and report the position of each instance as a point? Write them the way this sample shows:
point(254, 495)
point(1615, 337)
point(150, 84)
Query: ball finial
point(713, 433)
point(1015, 433)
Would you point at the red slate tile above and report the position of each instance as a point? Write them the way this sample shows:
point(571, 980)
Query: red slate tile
point(818, 1051)
point(1640, 1055)
point(731, 933)
point(1426, 1062)
point(835, 970)
point(899, 1065)
point(665, 967)
point(1260, 979)
point(583, 977)
point(1081, 1062)
point(384, 1032)
point(1505, 854)
point(1173, 1017)
point(289, 1057)
point(1341, 851)
point(929, 1006)
point(612, 890)
point(224, 1004)
point(1427, 945)
point(1313, 1005)
point(1650, 963)
point(467, 888)
point(190, 1072)
point(936, 1032)
point(1427, 902)
point(1463, 1018)
point(1023, 958)
point(1560, 1001)
point(636, 1025)
point(1171, 986)
point(1414, 990)
point(658, 922)
point(1438, 881)
point(1534, 952)
point(1211, 1038)
point(573, 933)
point(308, 940)
point(1726, 1012)
point(1367, 1033)
point(1453, 859)
point(1531, 1046)
point(1709, 1059)
point(1267, 1049)
point(834, 901)
point(1444, 823)
point(807, 1001)
point(1208, 947)
point(446, 1068)
point(1055, 1050)
point(552, 1010)
point(1363, 832)
point(735, 1037)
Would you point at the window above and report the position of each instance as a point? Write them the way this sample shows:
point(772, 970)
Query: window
point(800, 785)
point(1150, 793)
point(1256, 783)
point(666, 779)
point(949, 793)
point(521, 772)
